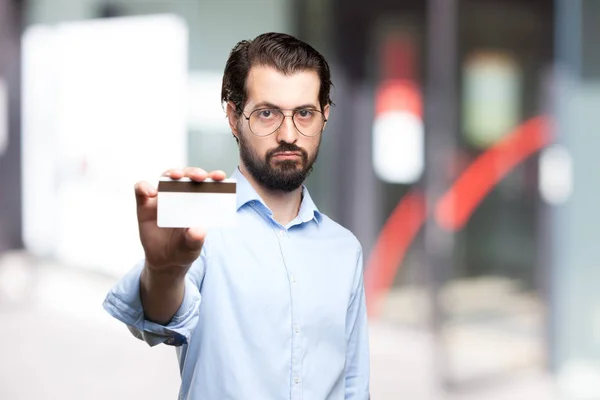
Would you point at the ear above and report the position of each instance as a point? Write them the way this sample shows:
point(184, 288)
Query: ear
point(233, 118)
point(326, 111)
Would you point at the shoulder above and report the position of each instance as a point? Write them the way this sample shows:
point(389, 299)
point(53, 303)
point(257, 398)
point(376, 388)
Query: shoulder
point(348, 245)
point(341, 234)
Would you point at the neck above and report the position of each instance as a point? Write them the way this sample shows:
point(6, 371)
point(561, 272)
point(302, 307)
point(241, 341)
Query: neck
point(284, 205)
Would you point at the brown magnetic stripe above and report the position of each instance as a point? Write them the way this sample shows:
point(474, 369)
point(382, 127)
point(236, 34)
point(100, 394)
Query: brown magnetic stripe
point(196, 187)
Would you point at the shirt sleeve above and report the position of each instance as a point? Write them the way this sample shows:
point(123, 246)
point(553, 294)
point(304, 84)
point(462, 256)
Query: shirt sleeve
point(357, 338)
point(123, 303)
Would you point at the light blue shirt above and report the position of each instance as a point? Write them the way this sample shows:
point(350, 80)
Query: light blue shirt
point(270, 312)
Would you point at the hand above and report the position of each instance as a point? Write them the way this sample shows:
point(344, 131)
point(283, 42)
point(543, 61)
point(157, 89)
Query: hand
point(169, 249)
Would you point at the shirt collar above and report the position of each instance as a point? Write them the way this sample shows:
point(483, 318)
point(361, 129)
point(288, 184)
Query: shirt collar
point(247, 195)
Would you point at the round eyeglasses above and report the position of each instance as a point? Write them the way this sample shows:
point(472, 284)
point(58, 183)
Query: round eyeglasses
point(265, 121)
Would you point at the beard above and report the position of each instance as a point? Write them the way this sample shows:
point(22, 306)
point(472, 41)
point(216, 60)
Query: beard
point(278, 175)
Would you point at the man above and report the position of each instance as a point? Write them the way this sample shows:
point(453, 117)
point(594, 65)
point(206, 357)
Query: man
point(273, 308)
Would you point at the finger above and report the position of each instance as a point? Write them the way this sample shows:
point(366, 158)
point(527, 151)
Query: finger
point(143, 191)
point(195, 174)
point(194, 238)
point(174, 173)
point(217, 175)
point(145, 198)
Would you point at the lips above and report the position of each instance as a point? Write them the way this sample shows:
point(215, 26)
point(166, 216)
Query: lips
point(287, 154)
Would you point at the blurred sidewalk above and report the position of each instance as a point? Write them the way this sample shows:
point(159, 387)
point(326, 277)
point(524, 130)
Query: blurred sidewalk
point(57, 342)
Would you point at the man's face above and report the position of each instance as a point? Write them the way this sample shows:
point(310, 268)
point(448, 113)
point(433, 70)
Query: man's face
point(282, 160)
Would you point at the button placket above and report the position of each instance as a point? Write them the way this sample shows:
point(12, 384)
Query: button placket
point(285, 241)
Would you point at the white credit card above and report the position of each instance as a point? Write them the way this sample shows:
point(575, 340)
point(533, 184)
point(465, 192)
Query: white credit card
point(183, 203)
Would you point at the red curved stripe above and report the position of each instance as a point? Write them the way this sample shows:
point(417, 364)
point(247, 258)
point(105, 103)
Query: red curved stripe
point(394, 240)
point(453, 209)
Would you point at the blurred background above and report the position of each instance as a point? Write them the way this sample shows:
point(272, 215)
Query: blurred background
point(462, 152)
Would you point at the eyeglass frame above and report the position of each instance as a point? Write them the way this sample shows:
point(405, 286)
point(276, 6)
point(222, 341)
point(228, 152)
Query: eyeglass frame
point(294, 111)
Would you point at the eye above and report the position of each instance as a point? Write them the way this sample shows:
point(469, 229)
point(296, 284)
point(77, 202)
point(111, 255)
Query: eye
point(305, 113)
point(266, 114)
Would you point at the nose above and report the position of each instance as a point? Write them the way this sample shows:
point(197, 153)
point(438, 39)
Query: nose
point(287, 132)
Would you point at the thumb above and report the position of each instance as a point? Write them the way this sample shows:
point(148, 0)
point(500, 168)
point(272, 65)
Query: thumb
point(194, 238)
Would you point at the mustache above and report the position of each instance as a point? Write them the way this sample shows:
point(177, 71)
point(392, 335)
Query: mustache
point(287, 147)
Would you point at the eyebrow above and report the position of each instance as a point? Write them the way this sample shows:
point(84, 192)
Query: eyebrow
point(266, 104)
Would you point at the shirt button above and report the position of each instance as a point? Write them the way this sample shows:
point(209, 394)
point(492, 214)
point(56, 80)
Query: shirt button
point(293, 278)
point(296, 329)
point(282, 233)
point(296, 380)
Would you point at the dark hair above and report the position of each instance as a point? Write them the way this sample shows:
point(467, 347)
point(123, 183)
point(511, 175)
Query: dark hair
point(278, 50)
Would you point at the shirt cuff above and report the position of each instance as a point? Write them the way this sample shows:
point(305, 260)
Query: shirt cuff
point(123, 303)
